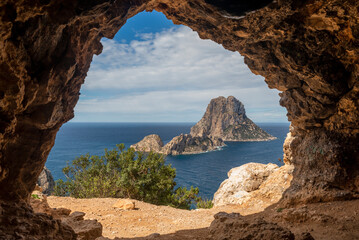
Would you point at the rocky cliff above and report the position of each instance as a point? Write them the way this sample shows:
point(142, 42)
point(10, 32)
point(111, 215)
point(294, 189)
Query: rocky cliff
point(149, 143)
point(187, 144)
point(226, 118)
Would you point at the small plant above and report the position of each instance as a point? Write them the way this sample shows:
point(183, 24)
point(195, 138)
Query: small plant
point(121, 173)
point(280, 210)
point(206, 203)
point(35, 196)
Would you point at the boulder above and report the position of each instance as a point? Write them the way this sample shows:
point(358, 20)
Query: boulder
point(84, 229)
point(46, 181)
point(254, 183)
point(125, 204)
point(271, 190)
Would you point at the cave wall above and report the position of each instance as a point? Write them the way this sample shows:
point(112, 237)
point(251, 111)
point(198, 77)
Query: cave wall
point(306, 49)
point(47, 48)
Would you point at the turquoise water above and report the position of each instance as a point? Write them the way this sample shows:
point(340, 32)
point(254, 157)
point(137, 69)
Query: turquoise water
point(205, 171)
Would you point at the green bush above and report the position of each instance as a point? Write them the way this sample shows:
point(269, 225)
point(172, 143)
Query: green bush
point(35, 196)
point(183, 198)
point(207, 203)
point(124, 173)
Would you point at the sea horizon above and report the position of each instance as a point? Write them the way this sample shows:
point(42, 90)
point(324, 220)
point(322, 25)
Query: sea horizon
point(206, 170)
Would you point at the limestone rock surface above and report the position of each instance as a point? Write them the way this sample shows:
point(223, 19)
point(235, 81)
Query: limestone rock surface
point(234, 226)
point(149, 143)
point(254, 184)
point(85, 229)
point(19, 221)
point(226, 118)
point(81, 228)
point(287, 148)
point(242, 180)
point(271, 190)
point(318, 149)
point(46, 181)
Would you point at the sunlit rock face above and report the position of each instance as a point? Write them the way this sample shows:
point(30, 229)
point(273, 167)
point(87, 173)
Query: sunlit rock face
point(46, 181)
point(226, 118)
point(254, 184)
point(149, 143)
point(306, 49)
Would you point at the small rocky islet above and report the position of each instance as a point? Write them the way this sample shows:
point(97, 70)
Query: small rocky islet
point(224, 120)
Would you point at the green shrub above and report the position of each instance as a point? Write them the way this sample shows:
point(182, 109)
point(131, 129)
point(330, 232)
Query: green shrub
point(183, 198)
point(206, 203)
point(124, 173)
point(35, 196)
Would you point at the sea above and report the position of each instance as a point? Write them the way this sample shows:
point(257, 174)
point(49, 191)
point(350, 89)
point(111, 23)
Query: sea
point(205, 171)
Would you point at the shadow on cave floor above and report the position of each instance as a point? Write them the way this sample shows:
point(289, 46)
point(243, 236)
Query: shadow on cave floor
point(332, 220)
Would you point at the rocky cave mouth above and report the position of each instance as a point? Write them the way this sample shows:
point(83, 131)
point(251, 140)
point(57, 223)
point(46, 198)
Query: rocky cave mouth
point(308, 50)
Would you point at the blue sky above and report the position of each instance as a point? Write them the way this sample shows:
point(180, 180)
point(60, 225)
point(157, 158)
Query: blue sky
point(155, 71)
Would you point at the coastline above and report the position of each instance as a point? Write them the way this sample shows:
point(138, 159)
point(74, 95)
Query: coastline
point(190, 167)
point(253, 140)
point(218, 148)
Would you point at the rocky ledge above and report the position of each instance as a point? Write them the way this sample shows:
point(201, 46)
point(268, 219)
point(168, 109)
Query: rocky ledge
point(83, 229)
point(179, 145)
point(254, 184)
point(226, 118)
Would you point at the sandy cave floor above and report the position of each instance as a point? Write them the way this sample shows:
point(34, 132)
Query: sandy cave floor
point(335, 220)
point(145, 220)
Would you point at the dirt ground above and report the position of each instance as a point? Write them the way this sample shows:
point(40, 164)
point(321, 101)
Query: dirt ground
point(335, 220)
point(146, 219)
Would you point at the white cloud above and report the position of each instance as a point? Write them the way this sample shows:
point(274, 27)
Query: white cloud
point(172, 73)
point(176, 58)
point(173, 101)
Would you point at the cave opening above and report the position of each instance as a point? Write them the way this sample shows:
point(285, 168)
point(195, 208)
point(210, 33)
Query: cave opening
point(164, 75)
point(48, 48)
